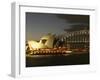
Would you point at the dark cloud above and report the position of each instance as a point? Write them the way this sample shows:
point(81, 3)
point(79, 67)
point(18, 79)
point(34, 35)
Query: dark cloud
point(38, 24)
point(75, 18)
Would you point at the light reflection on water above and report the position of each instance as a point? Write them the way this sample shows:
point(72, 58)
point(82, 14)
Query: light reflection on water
point(51, 60)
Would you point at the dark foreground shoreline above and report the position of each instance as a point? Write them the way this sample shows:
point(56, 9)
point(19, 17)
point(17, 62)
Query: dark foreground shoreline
point(58, 60)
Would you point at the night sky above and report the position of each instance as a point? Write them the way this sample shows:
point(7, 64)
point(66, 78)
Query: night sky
point(39, 24)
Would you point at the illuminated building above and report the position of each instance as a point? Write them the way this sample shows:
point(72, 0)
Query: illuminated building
point(71, 40)
point(45, 42)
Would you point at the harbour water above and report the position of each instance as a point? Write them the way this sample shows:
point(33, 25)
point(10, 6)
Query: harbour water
point(57, 60)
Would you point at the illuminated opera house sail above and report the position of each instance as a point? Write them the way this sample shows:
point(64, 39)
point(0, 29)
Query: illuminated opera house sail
point(45, 42)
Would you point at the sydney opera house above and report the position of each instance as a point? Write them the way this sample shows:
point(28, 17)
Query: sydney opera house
point(68, 42)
